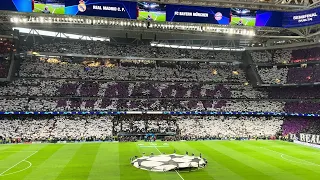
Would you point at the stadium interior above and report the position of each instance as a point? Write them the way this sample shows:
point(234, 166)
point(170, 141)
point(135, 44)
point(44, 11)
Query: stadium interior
point(117, 88)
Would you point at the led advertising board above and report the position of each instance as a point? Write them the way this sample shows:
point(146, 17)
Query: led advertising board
point(301, 18)
point(243, 17)
point(151, 11)
point(269, 18)
point(16, 5)
point(197, 14)
point(103, 8)
point(48, 6)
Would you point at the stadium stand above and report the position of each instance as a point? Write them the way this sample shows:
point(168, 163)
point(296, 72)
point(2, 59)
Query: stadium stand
point(277, 56)
point(118, 50)
point(188, 73)
point(77, 104)
point(305, 92)
point(277, 66)
point(96, 84)
point(102, 127)
point(205, 127)
point(294, 125)
point(274, 75)
point(6, 47)
point(125, 89)
point(305, 54)
point(50, 85)
point(57, 127)
point(302, 107)
point(300, 125)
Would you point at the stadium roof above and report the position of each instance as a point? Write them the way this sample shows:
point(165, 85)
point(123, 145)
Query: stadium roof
point(219, 35)
point(263, 35)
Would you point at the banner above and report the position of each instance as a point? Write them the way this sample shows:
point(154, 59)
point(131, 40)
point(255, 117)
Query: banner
point(197, 14)
point(16, 5)
point(269, 18)
point(301, 18)
point(309, 138)
point(103, 8)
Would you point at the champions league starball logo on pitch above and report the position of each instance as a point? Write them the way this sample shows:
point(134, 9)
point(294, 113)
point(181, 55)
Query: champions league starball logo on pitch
point(171, 162)
point(218, 16)
point(82, 6)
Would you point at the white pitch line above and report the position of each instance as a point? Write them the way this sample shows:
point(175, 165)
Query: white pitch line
point(30, 164)
point(306, 163)
point(160, 154)
point(156, 148)
point(282, 154)
point(179, 174)
point(17, 163)
point(17, 151)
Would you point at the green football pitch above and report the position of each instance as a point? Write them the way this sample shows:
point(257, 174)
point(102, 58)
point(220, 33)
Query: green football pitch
point(227, 160)
point(245, 21)
point(38, 8)
point(156, 16)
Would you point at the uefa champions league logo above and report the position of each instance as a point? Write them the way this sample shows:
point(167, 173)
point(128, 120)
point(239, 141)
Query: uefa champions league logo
point(82, 6)
point(218, 16)
point(171, 162)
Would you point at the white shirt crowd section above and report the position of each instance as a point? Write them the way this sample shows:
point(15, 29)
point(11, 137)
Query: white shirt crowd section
point(117, 50)
point(58, 127)
point(279, 56)
point(244, 126)
point(282, 56)
point(240, 91)
point(50, 88)
point(273, 75)
point(65, 127)
point(26, 104)
point(263, 56)
point(37, 68)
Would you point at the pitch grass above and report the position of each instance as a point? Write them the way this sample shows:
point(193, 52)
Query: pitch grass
point(227, 160)
point(38, 8)
point(156, 16)
point(247, 21)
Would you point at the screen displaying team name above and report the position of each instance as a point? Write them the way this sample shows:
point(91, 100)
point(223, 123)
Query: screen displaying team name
point(197, 14)
point(154, 11)
point(104, 8)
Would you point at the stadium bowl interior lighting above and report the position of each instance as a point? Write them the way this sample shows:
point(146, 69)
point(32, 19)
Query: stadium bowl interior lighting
point(55, 34)
point(155, 44)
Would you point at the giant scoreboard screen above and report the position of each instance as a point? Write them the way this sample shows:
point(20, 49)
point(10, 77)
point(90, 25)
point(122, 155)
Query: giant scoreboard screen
point(109, 8)
point(197, 14)
point(151, 11)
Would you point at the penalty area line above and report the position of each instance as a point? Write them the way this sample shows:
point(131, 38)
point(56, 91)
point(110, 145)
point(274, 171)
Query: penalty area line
point(174, 170)
point(18, 163)
point(30, 164)
point(282, 155)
